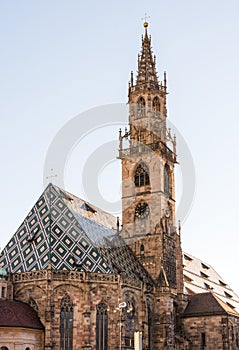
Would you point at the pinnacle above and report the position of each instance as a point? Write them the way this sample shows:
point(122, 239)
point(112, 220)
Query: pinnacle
point(146, 63)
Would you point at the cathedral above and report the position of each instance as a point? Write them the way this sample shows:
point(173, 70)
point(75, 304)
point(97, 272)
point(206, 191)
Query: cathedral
point(75, 277)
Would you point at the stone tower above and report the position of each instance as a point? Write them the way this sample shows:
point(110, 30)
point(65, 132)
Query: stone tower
point(148, 155)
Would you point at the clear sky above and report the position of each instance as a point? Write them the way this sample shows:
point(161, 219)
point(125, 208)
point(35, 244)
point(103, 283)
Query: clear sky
point(60, 58)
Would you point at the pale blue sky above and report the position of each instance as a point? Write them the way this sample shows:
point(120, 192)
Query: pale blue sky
point(59, 58)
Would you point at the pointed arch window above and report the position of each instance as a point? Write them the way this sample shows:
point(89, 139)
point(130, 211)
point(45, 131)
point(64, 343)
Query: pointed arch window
point(142, 250)
point(167, 180)
point(156, 104)
point(141, 177)
point(141, 107)
point(102, 327)
point(66, 324)
point(33, 304)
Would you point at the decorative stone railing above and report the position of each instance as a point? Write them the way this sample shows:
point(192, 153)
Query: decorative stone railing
point(143, 148)
point(62, 275)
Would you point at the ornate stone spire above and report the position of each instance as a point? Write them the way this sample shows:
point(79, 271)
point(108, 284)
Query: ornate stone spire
point(147, 75)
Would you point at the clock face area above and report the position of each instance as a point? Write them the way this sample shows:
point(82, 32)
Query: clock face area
point(142, 210)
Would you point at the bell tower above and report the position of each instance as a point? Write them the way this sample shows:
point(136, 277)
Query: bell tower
point(148, 154)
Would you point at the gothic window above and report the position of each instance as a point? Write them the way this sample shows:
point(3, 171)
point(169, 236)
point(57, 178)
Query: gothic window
point(142, 250)
point(167, 180)
point(33, 304)
point(66, 324)
point(130, 320)
point(141, 177)
point(101, 327)
point(141, 107)
point(156, 104)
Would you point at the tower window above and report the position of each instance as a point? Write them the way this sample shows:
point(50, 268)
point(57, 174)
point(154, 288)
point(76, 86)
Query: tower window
point(167, 180)
point(141, 107)
point(66, 324)
point(156, 104)
point(203, 340)
point(141, 177)
point(142, 250)
point(101, 327)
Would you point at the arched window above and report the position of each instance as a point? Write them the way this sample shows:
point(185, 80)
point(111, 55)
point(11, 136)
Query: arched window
point(142, 250)
point(4, 348)
point(101, 327)
point(66, 323)
point(141, 107)
point(27, 348)
point(33, 304)
point(141, 177)
point(156, 104)
point(130, 320)
point(167, 180)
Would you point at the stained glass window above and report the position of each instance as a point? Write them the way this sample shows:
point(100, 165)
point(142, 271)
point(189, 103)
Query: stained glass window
point(101, 327)
point(66, 323)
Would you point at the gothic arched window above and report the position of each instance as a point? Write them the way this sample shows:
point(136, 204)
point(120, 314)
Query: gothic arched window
point(101, 327)
point(130, 317)
point(33, 304)
point(66, 324)
point(141, 176)
point(156, 104)
point(142, 250)
point(141, 107)
point(167, 180)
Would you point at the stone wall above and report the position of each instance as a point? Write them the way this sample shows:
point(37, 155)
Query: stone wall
point(212, 332)
point(86, 291)
point(21, 338)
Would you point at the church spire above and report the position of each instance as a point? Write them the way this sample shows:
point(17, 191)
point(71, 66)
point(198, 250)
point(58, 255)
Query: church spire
point(147, 75)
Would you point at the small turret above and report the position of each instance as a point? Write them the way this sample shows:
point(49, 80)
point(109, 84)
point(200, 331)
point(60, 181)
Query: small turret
point(3, 274)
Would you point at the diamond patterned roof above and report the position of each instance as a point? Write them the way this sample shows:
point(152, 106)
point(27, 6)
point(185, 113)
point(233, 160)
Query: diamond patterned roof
point(63, 229)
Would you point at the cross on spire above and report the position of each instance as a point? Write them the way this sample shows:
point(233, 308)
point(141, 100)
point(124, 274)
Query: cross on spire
point(50, 177)
point(145, 18)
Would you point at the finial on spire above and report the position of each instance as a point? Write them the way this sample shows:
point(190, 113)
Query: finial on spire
point(145, 18)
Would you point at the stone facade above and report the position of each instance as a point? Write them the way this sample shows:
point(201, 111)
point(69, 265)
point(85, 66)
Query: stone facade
point(86, 290)
point(21, 339)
